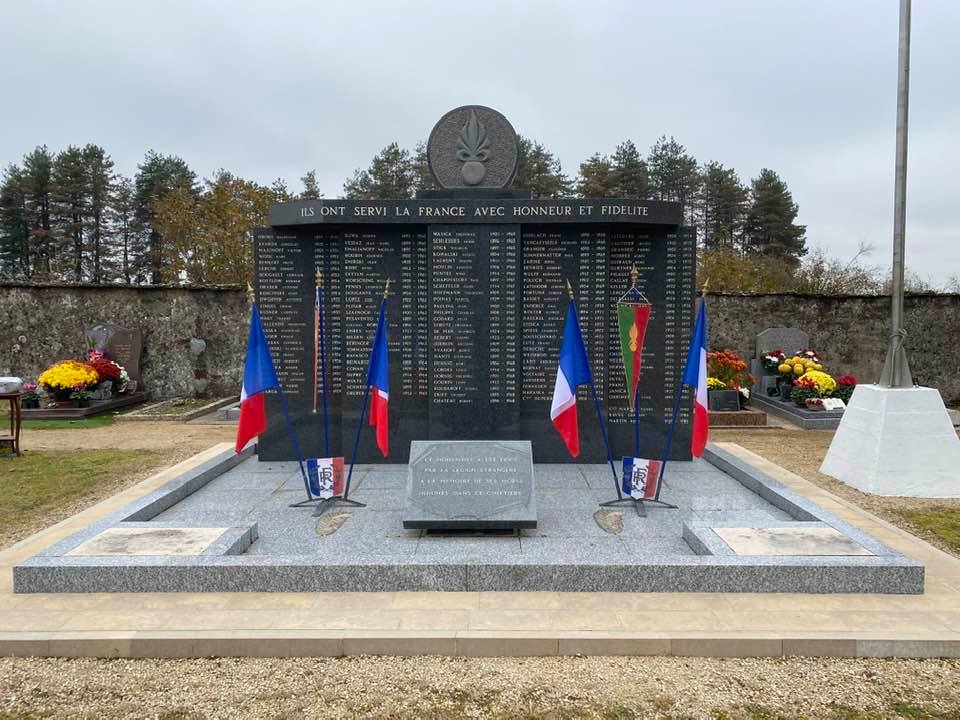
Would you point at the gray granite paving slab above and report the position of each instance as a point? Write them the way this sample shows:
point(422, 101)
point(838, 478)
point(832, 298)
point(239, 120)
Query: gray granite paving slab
point(272, 547)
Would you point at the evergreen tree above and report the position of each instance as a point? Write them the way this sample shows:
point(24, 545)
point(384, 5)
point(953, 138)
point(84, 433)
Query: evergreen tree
point(422, 176)
point(37, 170)
point(100, 179)
point(311, 189)
point(123, 228)
point(596, 177)
point(723, 205)
point(539, 171)
point(69, 193)
point(157, 176)
point(390, 176)
point(14, 225)
point(629, 172)
point(770, 226)
point(280, 191)
point(673, 174)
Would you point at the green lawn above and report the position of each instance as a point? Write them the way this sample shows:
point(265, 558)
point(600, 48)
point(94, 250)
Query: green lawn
point(96, 421)
point(36, 482)
point(944, 522)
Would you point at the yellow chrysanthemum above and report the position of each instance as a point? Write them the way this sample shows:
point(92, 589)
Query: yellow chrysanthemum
point(825, 383)
point(67, 375)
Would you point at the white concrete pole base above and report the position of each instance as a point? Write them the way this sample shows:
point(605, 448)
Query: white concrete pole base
point(896, 441)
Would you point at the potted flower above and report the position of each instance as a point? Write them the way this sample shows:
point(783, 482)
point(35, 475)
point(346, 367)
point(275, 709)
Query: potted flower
point(108, 371)
point(30, 397)
point(773, 360)
point(845, 387)
point(793, 367)
point(731, 382)
point(812, 385)
point(81, 396)
point(61, 379)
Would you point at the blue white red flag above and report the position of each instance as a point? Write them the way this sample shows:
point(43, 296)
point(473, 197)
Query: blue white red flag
point(641, 477)
point(378, 378)
point(573, 372)
point(695, 375)
point(258, 377)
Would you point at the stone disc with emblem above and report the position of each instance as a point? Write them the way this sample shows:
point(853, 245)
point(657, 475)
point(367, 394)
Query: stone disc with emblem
point(473, 147)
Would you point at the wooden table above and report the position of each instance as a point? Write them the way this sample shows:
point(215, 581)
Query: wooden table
point(13, 439)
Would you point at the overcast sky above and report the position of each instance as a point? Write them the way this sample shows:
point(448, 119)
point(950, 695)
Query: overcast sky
point(272, 89)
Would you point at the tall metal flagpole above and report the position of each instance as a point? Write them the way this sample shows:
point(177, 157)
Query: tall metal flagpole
point(896, 370)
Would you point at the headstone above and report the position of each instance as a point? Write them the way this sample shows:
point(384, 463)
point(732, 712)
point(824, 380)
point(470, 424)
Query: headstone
point(470, 485)
point(789, 340)
point(121, 345)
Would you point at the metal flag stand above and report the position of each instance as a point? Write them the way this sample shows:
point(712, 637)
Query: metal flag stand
point(345, 499)
point(634, 296)
point(319, 377)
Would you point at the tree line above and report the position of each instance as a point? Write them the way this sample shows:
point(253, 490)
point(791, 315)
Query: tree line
point(69, 216)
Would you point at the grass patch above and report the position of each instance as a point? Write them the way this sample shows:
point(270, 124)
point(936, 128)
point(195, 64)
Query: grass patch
point(97, 421)
point(39, 481)
point(942, 521)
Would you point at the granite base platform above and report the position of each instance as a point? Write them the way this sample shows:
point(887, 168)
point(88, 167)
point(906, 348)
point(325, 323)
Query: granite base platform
point(226, 525)
point(806, 419)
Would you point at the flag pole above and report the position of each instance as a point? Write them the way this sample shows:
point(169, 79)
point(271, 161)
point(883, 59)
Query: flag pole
point(676, 411)
point(636, 394)
point(323, 367)
point(363, 408)
point(596, 405)
point(286, 412)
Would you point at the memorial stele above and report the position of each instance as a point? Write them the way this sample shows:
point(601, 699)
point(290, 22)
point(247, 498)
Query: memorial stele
point(477, 300)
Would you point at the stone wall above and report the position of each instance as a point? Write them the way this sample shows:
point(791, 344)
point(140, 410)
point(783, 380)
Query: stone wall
point(39, 324)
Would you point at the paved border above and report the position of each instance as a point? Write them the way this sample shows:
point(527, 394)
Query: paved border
point(885, 571)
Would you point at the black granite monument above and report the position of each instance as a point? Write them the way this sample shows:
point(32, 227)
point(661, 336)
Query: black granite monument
point(477, 303)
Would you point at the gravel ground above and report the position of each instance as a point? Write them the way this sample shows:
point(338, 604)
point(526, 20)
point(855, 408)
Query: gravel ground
point(431, 687)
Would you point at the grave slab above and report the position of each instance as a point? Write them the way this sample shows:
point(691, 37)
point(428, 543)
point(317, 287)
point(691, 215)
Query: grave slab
point(789, 541)
point(149, 541)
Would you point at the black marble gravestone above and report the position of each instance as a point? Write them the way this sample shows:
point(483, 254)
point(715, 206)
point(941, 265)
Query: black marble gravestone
point(470, 485)
point(476, 308)
point(123, 346)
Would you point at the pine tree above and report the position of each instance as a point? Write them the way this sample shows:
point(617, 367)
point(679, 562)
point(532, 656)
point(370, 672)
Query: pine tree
point(770, 226)
point(127, 241)
point(14, 225)
point(674, 174)
point(156, 176)
point(37, 169)
point(311, 189)
point(539, 171)
point(422, 175)
point(69, 193)
point(629, 172)
point(100, 179)
point(596, 177)
point(390, 176)
point(723, 206)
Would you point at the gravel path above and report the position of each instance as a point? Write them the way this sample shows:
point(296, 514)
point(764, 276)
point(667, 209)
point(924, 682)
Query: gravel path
point(433, 687)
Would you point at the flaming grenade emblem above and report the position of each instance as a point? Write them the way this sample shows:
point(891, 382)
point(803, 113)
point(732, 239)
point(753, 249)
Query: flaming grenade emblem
point(473, 150)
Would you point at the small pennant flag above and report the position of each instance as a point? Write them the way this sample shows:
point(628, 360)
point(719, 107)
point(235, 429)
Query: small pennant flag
point(573, 372)
point(378, 378)
point(258, 377)
point(695, 375)
point(641, 477)
point(632, 320)
point(325, 476)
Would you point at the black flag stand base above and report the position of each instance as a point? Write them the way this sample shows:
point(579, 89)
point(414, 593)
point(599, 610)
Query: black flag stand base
point(638, 504)
point(324, 503)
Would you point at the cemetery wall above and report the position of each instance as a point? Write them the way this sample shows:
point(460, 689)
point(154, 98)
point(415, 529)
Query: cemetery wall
point(43, 323)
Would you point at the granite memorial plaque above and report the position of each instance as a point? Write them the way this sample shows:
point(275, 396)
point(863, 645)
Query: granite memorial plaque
point(476, 308)
point(790, 340)
point(121, 345)
point(470, 485)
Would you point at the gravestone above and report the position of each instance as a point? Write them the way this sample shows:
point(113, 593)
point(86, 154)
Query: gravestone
point(470, 485)
point(476, 307)
point(123, 346)
point(789, 340)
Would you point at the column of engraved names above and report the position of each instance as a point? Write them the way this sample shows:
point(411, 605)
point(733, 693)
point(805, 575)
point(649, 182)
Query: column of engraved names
point(548, 260)
point(456, 343)
point(282, 285)
point(503, 313)
point(680, 276)
point(328, 260)
point(414, 340)
point(592, 301)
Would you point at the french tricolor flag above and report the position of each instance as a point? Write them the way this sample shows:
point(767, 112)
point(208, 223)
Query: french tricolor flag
point(258, 377)
point(695, 375)
point(573, 372)
point(378, 379)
